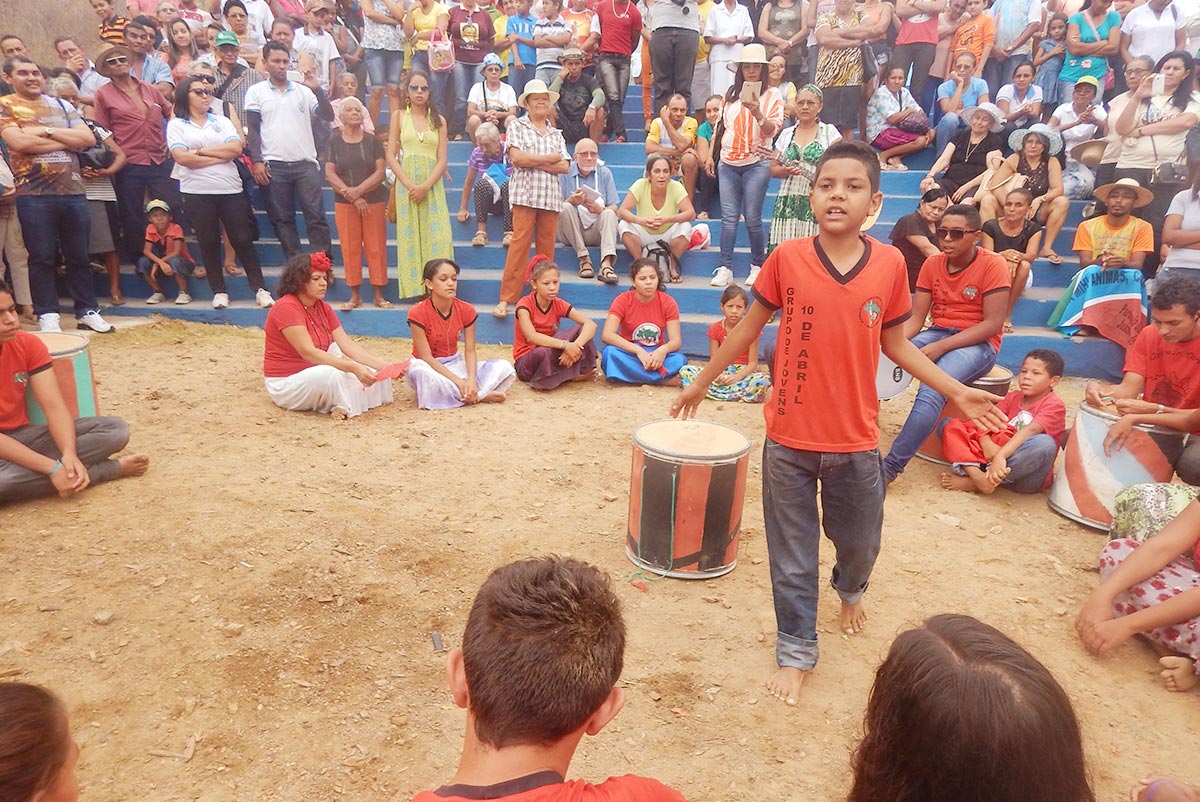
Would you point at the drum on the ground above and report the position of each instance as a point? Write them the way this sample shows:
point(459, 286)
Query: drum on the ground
point(72, 368)
point(998, 381)
point(1087, 481)
point(890, 379)
point(685, 498)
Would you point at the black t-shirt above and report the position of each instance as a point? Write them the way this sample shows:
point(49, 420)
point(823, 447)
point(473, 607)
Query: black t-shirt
point(575, 96)
point(354, 162)
point(1004, 242)
point(969, 161)
point(911, 225)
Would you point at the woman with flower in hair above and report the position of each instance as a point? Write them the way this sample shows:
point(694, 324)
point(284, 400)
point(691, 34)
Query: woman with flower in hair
point(310, 363)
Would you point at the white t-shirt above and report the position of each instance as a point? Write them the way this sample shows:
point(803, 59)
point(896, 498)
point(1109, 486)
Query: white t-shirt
point(261, 19)
point(723, 23)
point(323, 49)
point(218, 179)
point(1151, 35)
point(1009, 92)
point(1065, 114)
point(501, 99)
point(286, 128)
point(1184, 204)
point(1139, 152)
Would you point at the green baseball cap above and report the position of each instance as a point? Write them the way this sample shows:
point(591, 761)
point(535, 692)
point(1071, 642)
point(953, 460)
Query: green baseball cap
point(226, 38)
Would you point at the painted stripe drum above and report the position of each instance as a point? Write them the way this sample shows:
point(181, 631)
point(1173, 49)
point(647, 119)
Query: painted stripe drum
point(72, 368)
point(998, 381)
point(686, 493)
point(1087, 480)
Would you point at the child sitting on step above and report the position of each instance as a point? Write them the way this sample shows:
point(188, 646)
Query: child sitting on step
point(743, 380)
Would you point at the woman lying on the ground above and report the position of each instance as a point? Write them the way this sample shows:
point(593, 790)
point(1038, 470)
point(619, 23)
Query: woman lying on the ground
point(309, 362)
point(1151, 589)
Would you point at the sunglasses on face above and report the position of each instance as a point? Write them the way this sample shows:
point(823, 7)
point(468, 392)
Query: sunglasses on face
point(418, 88)
point(954, 233)
point(208, 79)
point(202, 92)
point(116, 60)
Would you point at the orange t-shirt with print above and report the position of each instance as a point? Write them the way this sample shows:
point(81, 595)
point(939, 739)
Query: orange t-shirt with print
point(958, 297)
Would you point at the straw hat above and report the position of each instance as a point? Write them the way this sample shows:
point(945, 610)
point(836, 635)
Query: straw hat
point(115, 50)
point(572, 51)
point(751, 54)
point(871, 220)
point(1088, 153)
point(1017, 138)
point(536, 87)
point(1144, 196)
point(990, 109)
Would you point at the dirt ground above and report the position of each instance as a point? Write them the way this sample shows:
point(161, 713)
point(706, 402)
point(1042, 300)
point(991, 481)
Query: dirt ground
point(271, 586)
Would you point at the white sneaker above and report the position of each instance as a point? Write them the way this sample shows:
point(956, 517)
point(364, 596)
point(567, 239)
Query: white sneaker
point(156, 298)
point(220, 300)
point(183, 298)
point(49, 323)
point(753, 275)
point(264, 298)
point(722, 277)
point(92, 320)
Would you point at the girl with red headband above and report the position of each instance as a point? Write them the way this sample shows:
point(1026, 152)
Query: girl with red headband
point(544, 356)
point(310, 363)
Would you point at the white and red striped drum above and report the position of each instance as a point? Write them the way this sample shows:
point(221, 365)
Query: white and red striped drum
point(72, 368)
point(685, 498)
point(998, 381)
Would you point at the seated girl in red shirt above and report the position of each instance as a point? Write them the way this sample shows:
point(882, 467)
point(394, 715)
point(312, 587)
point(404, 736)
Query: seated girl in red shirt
point(442, 377)
point(641, 335)
point(743, 380)
point(545, 357)
point(309, 362)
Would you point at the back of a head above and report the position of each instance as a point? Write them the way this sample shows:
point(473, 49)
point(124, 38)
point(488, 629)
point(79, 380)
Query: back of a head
point(961, 713)
point(543, 647)
point(34, 740)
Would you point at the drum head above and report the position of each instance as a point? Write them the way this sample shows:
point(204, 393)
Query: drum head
point(890, 379)
point(61, 343)
point(695, 440)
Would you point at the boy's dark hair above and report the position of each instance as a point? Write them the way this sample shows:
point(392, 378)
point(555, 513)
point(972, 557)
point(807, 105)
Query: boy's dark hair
point(732, 291)
point(273, 46)
point(955, 707)
point(543, 647)
point(853, 149)
point(34, 740)
point(1055, 365)
point(1178, 291)
point(637, 264)
point(964, 210)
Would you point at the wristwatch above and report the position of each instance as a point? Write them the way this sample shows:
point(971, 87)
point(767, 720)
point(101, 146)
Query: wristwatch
point(49, 131)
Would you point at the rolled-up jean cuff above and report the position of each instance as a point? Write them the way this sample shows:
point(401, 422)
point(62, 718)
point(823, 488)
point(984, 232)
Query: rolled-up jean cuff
point(793, 652)
point(849, 597)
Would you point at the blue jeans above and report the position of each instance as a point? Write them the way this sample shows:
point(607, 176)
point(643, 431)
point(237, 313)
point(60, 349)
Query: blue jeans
point(135, 184)
point(292, 182)
point(852, 492)
point(946, 128)
point(518, 78)
point(384, 67)
point(465, 76)
point(965, 364)
point(743, 190)
point(50, 225)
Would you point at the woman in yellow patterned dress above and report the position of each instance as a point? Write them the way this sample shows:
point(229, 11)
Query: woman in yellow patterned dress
point(416, 152)
point(840, 34)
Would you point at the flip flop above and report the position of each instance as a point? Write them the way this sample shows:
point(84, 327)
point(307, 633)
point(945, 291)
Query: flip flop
point(1008, 327)
point(1052, 257)
point(385, 304)
point(350, 306)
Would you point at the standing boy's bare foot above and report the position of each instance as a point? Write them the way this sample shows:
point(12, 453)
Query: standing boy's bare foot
point(133, 465)
point(853, 617)
point(785, 684)
point(1178, 673)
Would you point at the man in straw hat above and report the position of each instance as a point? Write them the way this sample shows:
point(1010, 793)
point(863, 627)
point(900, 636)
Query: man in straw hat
point(579, 110)
point(1118, 239)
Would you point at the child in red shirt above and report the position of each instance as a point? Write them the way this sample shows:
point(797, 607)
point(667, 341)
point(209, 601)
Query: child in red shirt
point(743, 380)
point(841, 296)
point(545, 357)
point(642, 338)
point(537, 670)
point(1021, 456)
point(165, 252)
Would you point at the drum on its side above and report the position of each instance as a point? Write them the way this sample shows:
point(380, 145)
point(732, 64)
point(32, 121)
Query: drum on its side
point(998, 381)
point(890, 379)
point(1087, 481)
point(73, 371)
point(685, 498)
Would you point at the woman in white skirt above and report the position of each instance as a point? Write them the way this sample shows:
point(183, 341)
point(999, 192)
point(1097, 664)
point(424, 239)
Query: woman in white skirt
point(310, 363)
point(442, 377)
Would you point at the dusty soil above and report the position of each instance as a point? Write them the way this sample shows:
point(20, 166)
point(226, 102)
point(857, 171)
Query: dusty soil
point(274, 581)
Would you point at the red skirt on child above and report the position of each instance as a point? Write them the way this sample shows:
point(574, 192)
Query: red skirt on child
point(960, 442)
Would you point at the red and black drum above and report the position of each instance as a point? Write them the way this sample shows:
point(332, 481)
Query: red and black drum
point(685, 498)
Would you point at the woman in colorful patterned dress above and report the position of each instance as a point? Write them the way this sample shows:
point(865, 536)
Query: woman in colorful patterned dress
point(422, 221)
point(841, 34)
point(799, 148)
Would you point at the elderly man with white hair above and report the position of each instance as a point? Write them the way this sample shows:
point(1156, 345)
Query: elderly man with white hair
point(589, 211)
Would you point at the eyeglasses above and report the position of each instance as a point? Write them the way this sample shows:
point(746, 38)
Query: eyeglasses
point(954, 233)
point(202, 92)
point(116, 60)
point(208, 79)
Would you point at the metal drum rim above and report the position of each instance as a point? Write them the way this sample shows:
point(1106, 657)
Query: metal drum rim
point(74, 350)
point(686, 459)
point(1110, 417)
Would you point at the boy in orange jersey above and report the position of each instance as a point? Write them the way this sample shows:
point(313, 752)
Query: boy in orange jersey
point(841, 296)
point(537, 670)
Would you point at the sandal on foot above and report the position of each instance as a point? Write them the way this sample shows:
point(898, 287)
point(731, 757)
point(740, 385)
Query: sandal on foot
point(1052, 257)
point(479, 240)
point(384, 303)
point(507, 239)
point(585, 269)
point(1008, 327)
point(500, 311)
point(608, 275)
point(350, 306)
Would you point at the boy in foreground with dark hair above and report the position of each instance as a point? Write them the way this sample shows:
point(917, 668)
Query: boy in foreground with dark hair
point(542, 652)
point(1021, 456)
point(842, 296)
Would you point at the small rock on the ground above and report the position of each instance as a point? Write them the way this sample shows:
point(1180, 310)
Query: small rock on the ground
point(104, 618)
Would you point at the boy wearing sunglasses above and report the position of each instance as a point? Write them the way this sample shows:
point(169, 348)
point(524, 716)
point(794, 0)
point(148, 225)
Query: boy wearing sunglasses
point(965, 291)
point(842, 297)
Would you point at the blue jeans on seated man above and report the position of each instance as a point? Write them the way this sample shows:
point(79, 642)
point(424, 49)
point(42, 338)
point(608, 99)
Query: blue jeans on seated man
point(950, 124)
point(852, 492)
point(1027, 466)
point(965, 364)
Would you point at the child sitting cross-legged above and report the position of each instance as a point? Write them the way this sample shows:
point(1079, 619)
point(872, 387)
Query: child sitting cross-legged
point(743, 380)
point(1021, 456)
point(538, 669)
